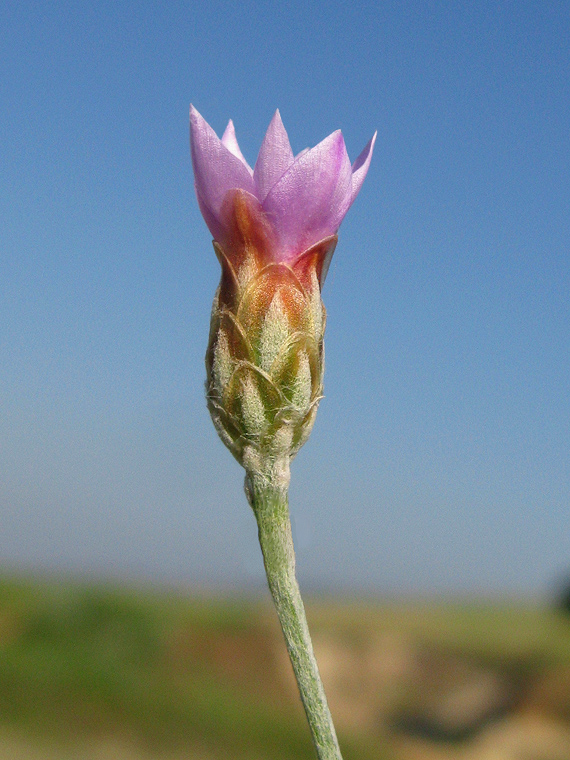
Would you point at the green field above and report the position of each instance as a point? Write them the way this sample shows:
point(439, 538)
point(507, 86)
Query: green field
point(121, 674)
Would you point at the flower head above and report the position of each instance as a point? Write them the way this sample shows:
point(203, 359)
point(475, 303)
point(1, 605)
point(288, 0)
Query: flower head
point(300, 200)
point(274, 229)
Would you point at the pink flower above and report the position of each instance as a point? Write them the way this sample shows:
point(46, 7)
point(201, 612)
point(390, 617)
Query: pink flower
point(302, 199)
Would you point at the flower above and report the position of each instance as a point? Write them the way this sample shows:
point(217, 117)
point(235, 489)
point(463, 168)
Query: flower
point(302, 198)
point(274, 230)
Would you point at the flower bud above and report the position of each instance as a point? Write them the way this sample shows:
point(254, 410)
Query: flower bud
point(274, 229)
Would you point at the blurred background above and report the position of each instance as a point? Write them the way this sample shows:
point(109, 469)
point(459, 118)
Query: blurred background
point(430, 507)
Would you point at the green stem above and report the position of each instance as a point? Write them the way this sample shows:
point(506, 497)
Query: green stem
point(268, 498)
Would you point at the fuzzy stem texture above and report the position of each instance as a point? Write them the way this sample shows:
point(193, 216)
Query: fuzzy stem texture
point(268, 496)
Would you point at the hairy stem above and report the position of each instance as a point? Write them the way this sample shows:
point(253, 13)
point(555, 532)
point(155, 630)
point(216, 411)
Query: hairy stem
point(268, 498)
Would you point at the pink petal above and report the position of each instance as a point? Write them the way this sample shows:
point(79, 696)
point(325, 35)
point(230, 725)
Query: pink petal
point(216, 168)
point(308, 202)
point(275, 157)
point(229, 139)
point(360, 167)
point(212, 220)
point(358, 172)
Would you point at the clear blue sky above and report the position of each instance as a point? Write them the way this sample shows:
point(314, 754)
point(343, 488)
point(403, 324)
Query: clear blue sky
point(440, 460)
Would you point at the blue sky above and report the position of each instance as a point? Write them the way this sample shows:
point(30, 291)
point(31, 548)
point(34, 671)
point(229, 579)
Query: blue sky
point(440, 460)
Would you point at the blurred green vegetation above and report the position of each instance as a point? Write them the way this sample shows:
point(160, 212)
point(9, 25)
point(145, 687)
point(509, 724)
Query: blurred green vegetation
point(486, 630)
point(170, 673)
point(166, 671)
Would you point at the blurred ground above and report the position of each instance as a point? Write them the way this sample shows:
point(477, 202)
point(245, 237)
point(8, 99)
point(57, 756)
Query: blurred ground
point(93, 672)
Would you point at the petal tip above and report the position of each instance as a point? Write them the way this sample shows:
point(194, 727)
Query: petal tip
point(229, 130)
point(361, 166)
point(194, 113)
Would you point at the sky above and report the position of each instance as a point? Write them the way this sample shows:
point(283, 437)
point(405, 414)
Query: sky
point(440, 459)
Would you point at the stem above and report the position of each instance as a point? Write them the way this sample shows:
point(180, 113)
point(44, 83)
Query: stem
point(268, 498)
